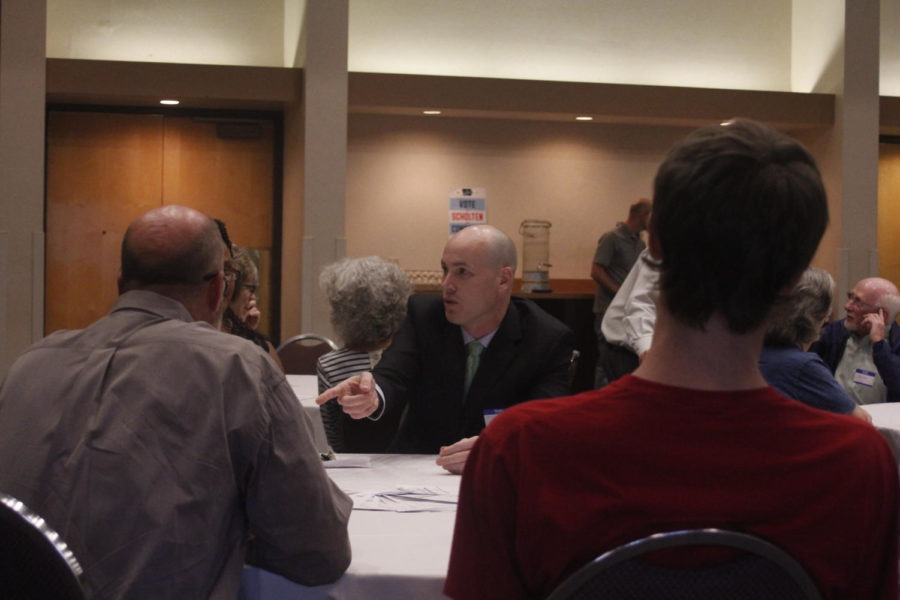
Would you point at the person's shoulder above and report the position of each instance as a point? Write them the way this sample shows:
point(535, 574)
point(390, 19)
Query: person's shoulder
point(545, 421)
point(201, 339)
point(835, 436)
point(858, 442)
point(894, 337)
point(609, 235)
point(528, 415)
point(425, 311)
point(785, 356)
point(833, 330)
point(529, 312)
point(425, 303)
point(342, 359)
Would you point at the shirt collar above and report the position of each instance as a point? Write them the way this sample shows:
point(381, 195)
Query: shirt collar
point(152, 302)
point(483, 340)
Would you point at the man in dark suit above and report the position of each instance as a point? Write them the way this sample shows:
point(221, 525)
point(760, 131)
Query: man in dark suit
point(459, 357)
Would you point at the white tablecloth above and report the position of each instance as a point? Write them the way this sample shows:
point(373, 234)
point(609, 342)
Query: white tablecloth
point(395, 555)
point(886, 418)
point(306, 388)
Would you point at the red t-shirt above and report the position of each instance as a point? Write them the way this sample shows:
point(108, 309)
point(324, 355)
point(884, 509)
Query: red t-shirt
point(551, 484)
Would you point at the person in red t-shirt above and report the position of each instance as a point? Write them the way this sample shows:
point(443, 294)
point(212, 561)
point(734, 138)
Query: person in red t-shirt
point(695, 437)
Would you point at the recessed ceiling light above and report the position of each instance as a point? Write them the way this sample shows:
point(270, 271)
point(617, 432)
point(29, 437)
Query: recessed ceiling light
point(584, 118)
point(170, 102)
point(431, 112)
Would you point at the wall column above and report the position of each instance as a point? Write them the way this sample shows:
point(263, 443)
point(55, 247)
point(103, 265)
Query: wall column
point(325, 151)
point(857, 128)
point(23, 25)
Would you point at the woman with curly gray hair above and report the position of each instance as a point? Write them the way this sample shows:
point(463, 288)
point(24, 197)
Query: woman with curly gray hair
point(368, 304)
point(794, 326)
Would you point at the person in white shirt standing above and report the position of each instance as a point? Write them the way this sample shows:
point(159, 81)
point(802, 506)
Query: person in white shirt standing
point(631, 317)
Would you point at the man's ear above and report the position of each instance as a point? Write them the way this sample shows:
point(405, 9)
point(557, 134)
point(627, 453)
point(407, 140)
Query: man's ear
point(215, 292)
point(506, 276)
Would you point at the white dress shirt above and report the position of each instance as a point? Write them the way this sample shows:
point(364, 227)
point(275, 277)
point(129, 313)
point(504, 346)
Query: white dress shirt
point(631, 317)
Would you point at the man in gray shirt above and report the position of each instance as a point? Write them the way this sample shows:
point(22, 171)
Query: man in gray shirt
point(164, 452)
point(617, 250)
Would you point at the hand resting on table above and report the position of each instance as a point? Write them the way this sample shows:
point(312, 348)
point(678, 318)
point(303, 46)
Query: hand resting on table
point(453, 457)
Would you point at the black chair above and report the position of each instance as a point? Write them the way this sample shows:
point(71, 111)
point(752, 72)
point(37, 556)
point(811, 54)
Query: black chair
point(299, 354)
point(573, 369)
point(35, 564)
point(744, 567)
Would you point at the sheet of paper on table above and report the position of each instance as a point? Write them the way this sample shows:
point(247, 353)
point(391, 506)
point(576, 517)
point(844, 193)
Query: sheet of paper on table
point(348, 462)
point(406, 498)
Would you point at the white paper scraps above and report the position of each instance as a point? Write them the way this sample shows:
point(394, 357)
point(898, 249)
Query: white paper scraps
point(406, 498)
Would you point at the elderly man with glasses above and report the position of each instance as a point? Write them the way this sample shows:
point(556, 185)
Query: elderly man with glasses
point(863, 350)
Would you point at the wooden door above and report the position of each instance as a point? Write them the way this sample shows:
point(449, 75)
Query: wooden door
point(103, 171)
point(106, 169)
point(224, 168)
point(888, 212)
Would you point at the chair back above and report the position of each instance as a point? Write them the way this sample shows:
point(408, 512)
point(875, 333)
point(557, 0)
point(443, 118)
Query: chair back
point(573, 369)
point(750, 568)
point(299, 354)
point(35, 563)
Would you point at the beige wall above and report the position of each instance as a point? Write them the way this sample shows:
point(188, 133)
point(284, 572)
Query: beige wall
point(822, 143)
point(579, 176)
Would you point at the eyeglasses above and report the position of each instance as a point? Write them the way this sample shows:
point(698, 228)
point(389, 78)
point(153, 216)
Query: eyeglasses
point(858, 303)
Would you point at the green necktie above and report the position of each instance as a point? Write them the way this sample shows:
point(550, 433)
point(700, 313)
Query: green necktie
point(473, 356)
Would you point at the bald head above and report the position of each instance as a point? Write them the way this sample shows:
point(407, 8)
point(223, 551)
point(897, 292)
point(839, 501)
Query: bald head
point(639, 215)
point(641, 207)
point(868, 296)
point(498, 249)
point(170, 246)
point(873, 288)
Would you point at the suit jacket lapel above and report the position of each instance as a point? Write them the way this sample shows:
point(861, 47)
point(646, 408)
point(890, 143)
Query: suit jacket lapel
point(453, 353)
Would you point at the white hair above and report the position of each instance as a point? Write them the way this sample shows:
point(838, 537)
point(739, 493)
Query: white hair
point(891, 303)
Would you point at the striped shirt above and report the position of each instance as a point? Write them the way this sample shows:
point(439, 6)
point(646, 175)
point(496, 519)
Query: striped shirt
point(331, 369)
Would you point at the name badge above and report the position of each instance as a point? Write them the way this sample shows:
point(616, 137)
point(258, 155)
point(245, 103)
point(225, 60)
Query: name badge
point(490, 413)
point(862, 377)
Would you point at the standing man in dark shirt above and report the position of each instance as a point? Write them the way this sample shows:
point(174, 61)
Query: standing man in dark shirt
point(617, 251)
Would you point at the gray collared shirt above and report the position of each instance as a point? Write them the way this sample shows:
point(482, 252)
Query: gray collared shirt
point(858, 374)
point(617, 250)
point(164, 452)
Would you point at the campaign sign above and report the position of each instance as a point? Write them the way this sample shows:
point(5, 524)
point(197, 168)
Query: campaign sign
point(468, 206)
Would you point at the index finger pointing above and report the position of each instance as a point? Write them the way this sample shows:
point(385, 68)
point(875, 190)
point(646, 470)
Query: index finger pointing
point(341, 389)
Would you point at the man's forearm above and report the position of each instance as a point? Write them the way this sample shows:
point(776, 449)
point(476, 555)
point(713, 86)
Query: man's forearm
point(602, 278)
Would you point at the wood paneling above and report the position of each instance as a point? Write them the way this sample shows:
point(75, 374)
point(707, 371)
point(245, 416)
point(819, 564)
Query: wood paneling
point(106, 169)
point(888, 213)
point(230, 179)
point(103, 171)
